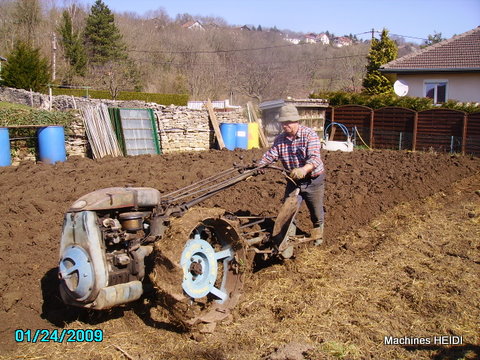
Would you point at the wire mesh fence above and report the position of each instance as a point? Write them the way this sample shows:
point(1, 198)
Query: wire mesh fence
point(393, 140)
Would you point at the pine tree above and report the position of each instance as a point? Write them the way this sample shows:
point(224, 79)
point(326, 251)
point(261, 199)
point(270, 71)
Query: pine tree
point(103, 40)
point(73, 46)
point(381, 52)
point(26, 68)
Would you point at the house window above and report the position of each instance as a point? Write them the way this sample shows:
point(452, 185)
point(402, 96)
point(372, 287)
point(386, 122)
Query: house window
point(436, 90)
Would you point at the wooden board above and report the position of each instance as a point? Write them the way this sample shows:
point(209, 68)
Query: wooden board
point(216, 128)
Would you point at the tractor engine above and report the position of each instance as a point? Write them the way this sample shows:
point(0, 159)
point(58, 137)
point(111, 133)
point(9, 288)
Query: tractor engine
point(106, 236)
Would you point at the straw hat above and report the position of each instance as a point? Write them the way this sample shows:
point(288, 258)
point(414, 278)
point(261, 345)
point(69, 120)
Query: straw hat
point(288, 113)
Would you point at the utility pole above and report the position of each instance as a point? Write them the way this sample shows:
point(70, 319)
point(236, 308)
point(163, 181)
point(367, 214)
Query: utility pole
point(54, 56)
point(373, 33)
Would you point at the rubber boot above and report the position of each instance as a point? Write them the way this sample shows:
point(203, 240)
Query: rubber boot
point(317, 235)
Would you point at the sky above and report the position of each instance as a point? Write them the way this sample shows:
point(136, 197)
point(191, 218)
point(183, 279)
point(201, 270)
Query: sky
point(413, 18)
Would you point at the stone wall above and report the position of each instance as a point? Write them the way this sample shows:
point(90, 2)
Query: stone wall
point(179, 128)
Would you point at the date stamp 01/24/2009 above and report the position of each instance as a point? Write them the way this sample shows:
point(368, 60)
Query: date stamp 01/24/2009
point(58, 336)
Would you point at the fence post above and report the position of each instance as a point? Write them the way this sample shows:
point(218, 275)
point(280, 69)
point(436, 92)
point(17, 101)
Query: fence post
point(415, 127)
point(464, 133)
point(372, 116)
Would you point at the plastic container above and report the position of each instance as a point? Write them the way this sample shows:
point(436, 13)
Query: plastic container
point(5, 157)
point(332, 145)
point(253, 136)
point(228, 131)
point(242, 136)
point(51, 144)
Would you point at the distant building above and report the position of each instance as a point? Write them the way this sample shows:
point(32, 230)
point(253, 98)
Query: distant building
point(342, 41)
point(193, 25)
point(310, 38)
point(294, 41)
point(323, 39)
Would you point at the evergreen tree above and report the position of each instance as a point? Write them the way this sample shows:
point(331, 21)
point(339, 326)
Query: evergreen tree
point(73, 46)
point(103, 40)
point(381, 52)
point(26, 68)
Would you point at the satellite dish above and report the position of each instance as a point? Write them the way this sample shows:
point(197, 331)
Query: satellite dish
point(400, 87)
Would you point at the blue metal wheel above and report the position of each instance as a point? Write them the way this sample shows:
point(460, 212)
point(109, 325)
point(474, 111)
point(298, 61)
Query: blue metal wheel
point(199, 267)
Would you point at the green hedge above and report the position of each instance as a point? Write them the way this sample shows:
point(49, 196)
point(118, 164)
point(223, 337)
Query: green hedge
point(11, 115)
point(162, 99)
point(339, 98)
point(24, 116)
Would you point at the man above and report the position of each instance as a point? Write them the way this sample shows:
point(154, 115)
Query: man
point(298, 148)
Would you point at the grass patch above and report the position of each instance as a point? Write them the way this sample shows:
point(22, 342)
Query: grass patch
point(7, 105)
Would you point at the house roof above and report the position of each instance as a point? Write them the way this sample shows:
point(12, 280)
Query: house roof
point(460, 53)
point(192, 23)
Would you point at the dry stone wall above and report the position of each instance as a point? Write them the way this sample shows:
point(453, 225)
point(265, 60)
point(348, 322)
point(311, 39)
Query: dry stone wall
point(179, 128)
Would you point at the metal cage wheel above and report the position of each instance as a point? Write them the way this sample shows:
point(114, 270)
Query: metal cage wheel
point(199, 267)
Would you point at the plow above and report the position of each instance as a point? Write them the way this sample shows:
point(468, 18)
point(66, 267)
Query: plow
point(199, 256)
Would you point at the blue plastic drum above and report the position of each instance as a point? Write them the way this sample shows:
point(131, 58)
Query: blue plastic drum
point(242, 136)
point(228, 131)
point(51, 144)
point(5, 157)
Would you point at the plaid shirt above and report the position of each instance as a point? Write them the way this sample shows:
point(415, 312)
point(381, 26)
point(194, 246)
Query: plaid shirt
point(303, 149)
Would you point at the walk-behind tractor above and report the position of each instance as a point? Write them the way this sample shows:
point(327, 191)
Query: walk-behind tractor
point(199, 255)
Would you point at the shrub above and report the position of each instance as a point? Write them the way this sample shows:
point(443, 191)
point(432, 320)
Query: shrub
point(339, 98)
point(162, 99)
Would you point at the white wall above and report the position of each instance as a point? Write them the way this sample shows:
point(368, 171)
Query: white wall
point(461, 87)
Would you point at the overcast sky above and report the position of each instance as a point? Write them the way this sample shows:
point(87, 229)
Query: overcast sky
point(413, 18)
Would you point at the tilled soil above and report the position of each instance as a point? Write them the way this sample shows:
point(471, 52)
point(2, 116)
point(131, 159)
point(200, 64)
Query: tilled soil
point(362, 187)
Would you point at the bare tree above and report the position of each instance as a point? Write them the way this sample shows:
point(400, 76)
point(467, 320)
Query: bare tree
point(28, 17)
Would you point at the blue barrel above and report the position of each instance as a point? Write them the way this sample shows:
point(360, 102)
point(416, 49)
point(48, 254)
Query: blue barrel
point(51, 144)
point(5, 157)
point(242, 136)
point(228, 132)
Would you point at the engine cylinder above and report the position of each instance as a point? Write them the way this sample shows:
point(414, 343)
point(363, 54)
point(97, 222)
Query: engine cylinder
point(131, 221)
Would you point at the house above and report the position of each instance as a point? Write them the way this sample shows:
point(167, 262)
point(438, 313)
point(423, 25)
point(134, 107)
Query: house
point(342, 41)
point(294, 41)
point(323, 39)
point(448, 70)
point(193, 25)
point(310, 38)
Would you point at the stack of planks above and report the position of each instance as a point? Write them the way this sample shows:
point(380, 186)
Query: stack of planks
point(100, 132)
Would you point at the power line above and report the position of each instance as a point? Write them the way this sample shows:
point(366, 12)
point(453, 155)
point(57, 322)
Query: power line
point(403, 36)
point(172, 63)
point(221, 51)
point(226, 51)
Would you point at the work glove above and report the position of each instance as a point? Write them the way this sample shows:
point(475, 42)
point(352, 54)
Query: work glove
point(298, 173)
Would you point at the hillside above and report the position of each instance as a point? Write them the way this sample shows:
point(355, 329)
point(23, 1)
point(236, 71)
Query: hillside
point(217, 60)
